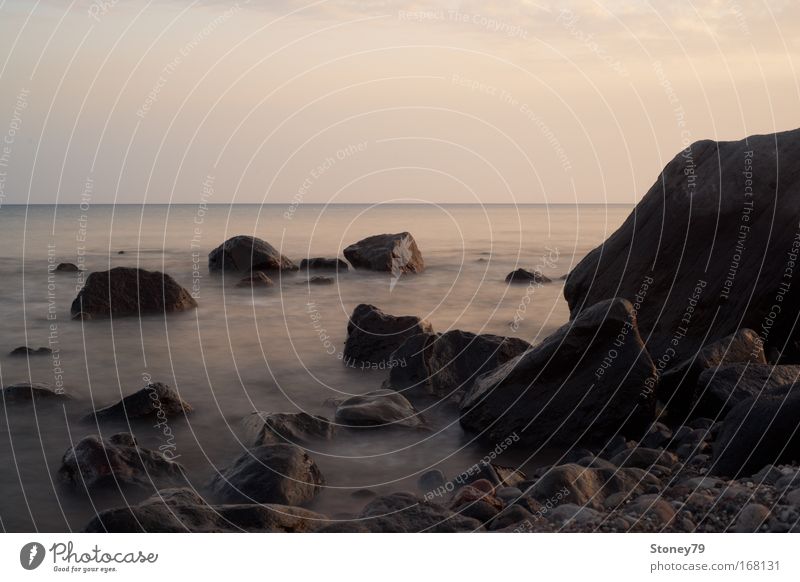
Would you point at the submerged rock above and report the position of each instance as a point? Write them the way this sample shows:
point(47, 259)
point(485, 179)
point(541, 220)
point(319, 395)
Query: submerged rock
point(256, 279)
point(26, 351)
point(394, 253)
point(125, 291)
point(322, 264)
point(67, 268)
point(248, 253)
point(587, 381)
point(156, 400)
point(373, 335)
point(379, 408)
point(290, 427)
point(31, 391)
point(525, 276)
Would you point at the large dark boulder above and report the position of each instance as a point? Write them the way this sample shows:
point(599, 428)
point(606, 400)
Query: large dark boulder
point(759, 431)
point(248, 253)
point(406, 513)
point(447, 364)
point(709, 249)
point(279, 473)
point(125, 291)
point(587, 381)
point(373, 335)
point(395, 253)
point(184, 511)
point(155, 401)
point(379, 408)
point(264, 428)
point(721, 389)
point(118, 461)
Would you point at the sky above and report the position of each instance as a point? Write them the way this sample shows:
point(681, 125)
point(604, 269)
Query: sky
point(372, 101)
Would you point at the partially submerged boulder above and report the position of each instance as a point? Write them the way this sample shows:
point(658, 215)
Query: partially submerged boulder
point(586, 382)
point(118, 461)
point(525, 276)
point(31, 392)
point(67, 268)
point(291, 427)
point(379, 408)
point(155, 401)
point(256, 279)
point(26, 351)
point(373, 335)
point(184, 511)
point(323, 264)
point(125, 291)
point(279, 473)
point(248, 253)
point(394, 253)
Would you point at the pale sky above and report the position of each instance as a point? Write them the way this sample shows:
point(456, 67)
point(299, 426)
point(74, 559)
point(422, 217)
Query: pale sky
point(370, 101)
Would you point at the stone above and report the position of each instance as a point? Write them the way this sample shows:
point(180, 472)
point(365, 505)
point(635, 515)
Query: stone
point(67, 268)
point(545, 398)
point(657, 436)
point(125, 291)
point(570, 512)
point(524, 276)
point(31, 392)
point(644, 458)
point(256, 279)
point(394, 253)
point(653, 508)
point(118, 461)
point(264, 428)
point(719, 390)
point(431, 480)
point(378, 408)
point(479, 510)
point(248, 254)
point(156, 401)
point(184, 511)
point(751, 518)
point(318, 280)
point(322, 264)
point(373, 335)
point(26, 351)
point(406, 513)
point(511, 515)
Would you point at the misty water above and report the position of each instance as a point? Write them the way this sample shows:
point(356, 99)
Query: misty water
point(260, 349)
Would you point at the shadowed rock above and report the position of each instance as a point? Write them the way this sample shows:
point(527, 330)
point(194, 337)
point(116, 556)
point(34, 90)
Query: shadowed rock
point(67, 268)
point(32, 391)
point(379, 408)
point(156, 401)
point(323, 264)
point(248, 253)
point(26, 351)
point(256, 279)
point(291, 427)
point(373, 335)
point(394, 253)
point(524, 276)
point(406, 513)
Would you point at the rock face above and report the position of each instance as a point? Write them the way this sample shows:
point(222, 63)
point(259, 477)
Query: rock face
point(447, 364)
point(707, 249)
point(256, 279)
point(156, 400)
point(124, 291)
point(721, 389)
point(406, 513)
point(94, 462)
point(394, 253)
point(182, 510)
point(322, 264)
point(289, 427)
point(758, 432)
point(26, 351)
point(31, 391)
point(524, 276)
point(584, 383)
point(373, 335)
point(379, 408)
point(280, 473)
point(248, 253)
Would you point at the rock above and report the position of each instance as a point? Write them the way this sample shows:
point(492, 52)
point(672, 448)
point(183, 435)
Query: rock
point(472, 494)
point(320, 281)
point(511, 515)
point(30, 392)
point(769, 475)
point(395, 253)
point(373, 335)
point(256, 279)
point(431, 480)
point(248, 253)
point(644, 458)
point(119, 461)
point(751, 518)
point(479, 510)
point(657, 436)
point(508, 494)
point(125, 291)
point(406, 513)
point(183, 511)
point(569, 512)
point(291, 427)
point(446, 365)
point(702, 483)
point(724, 256)
point(758, 432)
point(156, 400)
point(26, 351)
point(280, 473)
point(523, 276)
point(323, 264)
point(679, 384)
point(67, 268)
point(653, 508)
point(378, 408)
point(544, 397)
point(719, 390)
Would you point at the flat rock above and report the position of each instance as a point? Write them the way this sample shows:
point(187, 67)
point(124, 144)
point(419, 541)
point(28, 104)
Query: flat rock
point(720, 389)
point(248, 253)
point(406, 513)
point(379, 408)
point(124, 291)
point(155, 401)
point(30, 392)
point(373, 335)
point(394, 253)
point(290, 427)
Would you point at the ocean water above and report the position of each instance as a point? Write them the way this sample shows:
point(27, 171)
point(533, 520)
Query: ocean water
point(244, 350)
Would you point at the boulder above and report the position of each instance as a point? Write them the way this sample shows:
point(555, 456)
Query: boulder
point(26, 351)
point(373, 335)
point(757, 432)
point(447, 364)
point(323, 264)
point(265, 428)
point(155, 401)
point(67, 268)
point(752, 517)
point(706, 250)
point(256, 279)
point(31, 392)
point(586, 382)
point(379, 408)
point(318, 280)
point(406, 513)
point(395, 253)
point(720, 389)
point(525, 276)
point(125, 291)
point(184, 511)
point(279, 473)
point(118, 461)
point(248, 253)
